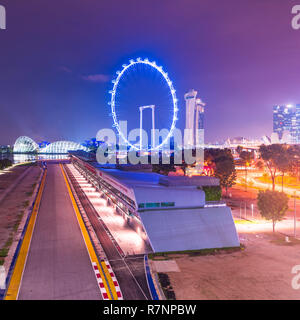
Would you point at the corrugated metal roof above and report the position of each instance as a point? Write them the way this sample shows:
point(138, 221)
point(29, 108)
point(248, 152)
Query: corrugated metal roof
point(193, 229)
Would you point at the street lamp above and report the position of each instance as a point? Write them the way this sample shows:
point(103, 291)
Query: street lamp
point(246, 165)
point(295, 214)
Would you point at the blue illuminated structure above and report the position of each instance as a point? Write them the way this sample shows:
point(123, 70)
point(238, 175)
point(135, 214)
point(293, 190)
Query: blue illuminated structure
point(27, 145)
point(113, 92)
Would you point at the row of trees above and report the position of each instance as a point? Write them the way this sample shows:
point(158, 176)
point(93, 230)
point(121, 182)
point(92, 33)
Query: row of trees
point(280, 159)
point(220, 162)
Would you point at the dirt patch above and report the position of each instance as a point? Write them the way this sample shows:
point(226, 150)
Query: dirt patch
point(13, 206)
point(9, 175)
point(261, 270)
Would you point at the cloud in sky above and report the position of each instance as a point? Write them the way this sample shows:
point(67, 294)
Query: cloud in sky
point(96, 78)
point(65, 69)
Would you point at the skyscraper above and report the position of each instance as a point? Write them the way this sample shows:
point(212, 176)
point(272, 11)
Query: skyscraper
point(298, 122)
point(194, 120)
point(287, 118)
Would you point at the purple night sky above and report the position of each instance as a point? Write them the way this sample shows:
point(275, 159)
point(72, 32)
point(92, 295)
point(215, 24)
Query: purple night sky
point(57, 59)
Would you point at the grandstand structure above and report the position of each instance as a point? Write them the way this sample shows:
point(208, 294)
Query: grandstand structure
point(169, 212)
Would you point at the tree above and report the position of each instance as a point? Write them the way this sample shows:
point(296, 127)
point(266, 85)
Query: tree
point(212, 193)
point(5, 163)
point(271, 155)
point(259, 165)
point(222, 163)
point(239, 149)
point(294, 169)
point(225, 171)
point(272, 205)
point(246, 158)
point(284, 162)
point(162, 168)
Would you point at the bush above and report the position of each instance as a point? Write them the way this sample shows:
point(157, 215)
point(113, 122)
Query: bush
point(5, 163)
point(212, 193)
point(166, 286)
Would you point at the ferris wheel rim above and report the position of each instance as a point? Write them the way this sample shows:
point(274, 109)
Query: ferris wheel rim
point(113, 92)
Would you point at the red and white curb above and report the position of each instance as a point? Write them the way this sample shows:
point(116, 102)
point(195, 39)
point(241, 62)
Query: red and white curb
point(115, 281)
point(100, 282)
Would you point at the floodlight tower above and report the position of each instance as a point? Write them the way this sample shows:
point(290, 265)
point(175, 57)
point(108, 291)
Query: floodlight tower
point(141, 125)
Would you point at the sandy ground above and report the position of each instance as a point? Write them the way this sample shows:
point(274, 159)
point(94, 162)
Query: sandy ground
point(262, 270)
point(9, 175)
point(13, 206)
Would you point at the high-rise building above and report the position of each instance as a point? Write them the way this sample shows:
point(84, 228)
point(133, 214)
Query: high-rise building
point(298, 122)
point(199, 114)
point(194, 120)
point(286, 118)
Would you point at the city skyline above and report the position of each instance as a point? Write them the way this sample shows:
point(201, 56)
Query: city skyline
point(239, 73)
point(286, 118)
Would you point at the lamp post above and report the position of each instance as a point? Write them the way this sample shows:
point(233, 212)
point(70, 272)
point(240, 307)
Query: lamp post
point(295, 214)
point(246, 165)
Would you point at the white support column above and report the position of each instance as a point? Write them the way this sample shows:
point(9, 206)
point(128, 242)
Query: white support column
point(153, 127)
point(141, 124)
point(141, 128)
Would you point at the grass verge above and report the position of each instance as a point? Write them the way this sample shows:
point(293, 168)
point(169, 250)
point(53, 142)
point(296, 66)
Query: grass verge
point(201, 252)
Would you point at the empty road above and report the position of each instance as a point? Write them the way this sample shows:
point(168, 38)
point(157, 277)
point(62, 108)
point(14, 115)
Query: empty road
point(58, 264)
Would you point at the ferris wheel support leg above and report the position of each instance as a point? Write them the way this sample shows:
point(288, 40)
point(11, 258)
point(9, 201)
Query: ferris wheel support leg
point(141, 128)
point(153, 128)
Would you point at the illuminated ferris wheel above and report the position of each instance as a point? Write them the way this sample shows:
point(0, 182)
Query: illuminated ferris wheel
point(126, 68)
